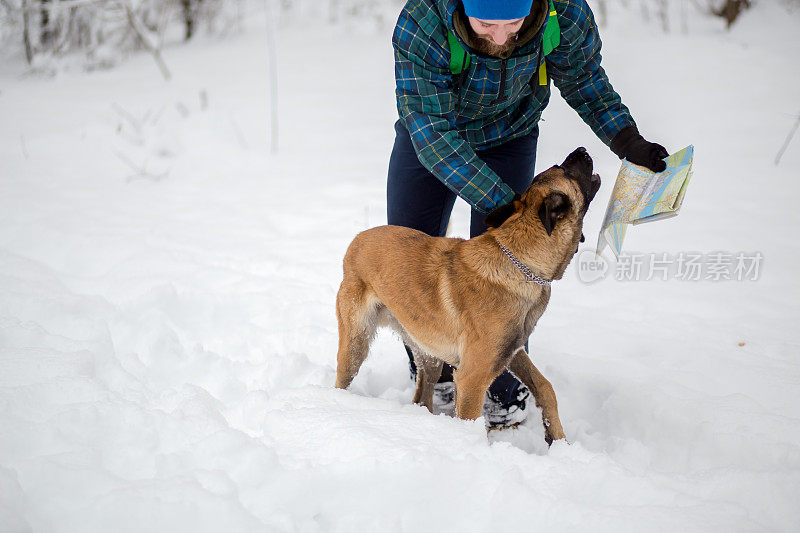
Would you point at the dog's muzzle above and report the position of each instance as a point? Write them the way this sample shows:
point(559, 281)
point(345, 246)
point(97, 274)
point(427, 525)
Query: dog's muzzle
point(578, 165)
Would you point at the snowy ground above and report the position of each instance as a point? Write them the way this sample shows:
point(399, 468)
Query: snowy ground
point(168, 337)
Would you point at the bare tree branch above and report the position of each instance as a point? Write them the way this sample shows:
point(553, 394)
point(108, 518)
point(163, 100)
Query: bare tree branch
point(145, 38)
point(53, 6)
point(788, 140)
point(140, 171)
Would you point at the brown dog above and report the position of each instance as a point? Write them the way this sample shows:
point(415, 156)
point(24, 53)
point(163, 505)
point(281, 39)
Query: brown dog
point(469, 303)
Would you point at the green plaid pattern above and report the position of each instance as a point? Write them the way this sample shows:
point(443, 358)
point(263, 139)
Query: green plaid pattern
point(500, 100)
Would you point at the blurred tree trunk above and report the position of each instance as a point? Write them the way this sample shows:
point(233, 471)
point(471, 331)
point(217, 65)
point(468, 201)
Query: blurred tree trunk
point(684, 17)
point(273, 77)
point(26, 31)
point(46, 31)
point(190, 10)
point(663, 14)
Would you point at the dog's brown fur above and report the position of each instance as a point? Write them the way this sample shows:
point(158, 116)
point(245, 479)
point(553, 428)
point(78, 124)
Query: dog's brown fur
point(463, 301)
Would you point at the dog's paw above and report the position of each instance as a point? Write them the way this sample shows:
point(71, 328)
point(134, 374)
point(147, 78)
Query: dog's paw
point(553, 432)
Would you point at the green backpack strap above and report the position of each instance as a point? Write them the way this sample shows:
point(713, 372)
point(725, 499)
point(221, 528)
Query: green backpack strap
point(550, 41)
point(459, 58)
point(552, 32)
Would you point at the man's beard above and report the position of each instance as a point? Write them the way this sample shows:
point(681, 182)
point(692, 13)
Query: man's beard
point(486, 46)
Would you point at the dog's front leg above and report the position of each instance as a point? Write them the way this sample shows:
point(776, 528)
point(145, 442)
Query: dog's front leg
point(472, 378)
point(522, 367)
point(428, 371)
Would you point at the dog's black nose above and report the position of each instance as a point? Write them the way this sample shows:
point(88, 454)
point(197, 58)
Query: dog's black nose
point(578, 163)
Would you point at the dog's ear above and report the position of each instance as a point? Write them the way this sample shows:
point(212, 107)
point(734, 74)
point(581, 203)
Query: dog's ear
point(554, 207)
point(496, 218)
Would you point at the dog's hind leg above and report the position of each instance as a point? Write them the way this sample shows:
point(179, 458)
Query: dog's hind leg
point(357, 314)
point(428, 371)
point(522, 367)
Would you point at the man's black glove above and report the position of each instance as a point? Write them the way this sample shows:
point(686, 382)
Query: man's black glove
point(630, 145)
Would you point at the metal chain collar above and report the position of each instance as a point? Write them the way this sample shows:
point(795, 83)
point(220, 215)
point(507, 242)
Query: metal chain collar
point(530, 277)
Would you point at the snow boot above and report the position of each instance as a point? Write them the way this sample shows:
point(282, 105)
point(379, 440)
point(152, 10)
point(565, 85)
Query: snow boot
point(505, 405)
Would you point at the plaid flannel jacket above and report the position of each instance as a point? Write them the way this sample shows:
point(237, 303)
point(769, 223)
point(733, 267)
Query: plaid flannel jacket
point(499, 100)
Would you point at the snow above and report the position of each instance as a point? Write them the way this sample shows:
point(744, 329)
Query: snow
point(168, 336)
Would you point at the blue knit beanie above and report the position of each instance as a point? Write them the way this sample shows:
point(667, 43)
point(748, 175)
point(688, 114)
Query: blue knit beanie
point(497, 9)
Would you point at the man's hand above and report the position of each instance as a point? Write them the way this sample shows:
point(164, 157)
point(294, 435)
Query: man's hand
point(630, 145)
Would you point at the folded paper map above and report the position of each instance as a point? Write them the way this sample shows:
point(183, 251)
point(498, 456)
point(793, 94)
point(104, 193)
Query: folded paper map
point(643, 196)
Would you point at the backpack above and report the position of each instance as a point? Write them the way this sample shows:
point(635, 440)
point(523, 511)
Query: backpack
point(460, 59)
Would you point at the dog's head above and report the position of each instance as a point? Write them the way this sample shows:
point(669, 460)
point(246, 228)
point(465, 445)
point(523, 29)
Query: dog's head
point(555, 203)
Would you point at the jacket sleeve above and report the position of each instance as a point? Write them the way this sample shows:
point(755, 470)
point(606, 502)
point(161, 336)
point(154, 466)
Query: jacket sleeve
point(575, 68)
point(426, 105)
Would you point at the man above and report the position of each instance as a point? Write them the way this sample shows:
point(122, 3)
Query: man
point(473, 77)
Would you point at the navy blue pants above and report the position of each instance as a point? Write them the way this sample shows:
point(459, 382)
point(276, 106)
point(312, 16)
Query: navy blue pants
point(417, 199)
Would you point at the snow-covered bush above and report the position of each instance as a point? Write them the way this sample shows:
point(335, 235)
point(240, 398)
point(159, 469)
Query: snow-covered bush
point(106, 30)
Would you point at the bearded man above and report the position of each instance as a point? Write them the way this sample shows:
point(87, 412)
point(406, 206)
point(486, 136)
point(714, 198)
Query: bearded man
point(473, 77)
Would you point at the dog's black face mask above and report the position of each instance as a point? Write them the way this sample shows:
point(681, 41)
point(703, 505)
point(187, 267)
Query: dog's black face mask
point(578, 167)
